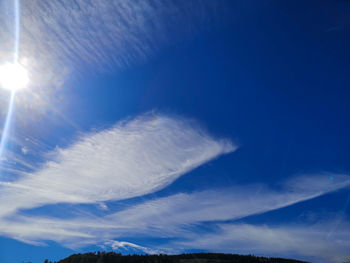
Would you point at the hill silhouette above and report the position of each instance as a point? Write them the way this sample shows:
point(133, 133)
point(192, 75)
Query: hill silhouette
point(112, 257)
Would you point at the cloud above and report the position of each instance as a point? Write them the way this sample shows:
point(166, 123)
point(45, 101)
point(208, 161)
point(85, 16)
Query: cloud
point(63, 38)
point(308, 242)
point(24, 150)
point(103, 34)
point(166, 215)
point(141, 156)
point(177, 216)
point(130, 159)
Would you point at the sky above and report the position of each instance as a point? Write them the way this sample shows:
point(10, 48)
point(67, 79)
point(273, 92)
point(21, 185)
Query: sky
point(159, 126)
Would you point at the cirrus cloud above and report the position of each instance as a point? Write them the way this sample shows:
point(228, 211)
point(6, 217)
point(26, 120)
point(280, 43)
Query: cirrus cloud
point(130, 159)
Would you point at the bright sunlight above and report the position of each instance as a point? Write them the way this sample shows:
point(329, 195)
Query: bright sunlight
point(13, 76)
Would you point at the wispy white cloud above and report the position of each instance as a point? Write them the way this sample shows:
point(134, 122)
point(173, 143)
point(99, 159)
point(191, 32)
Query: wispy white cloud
point(61, 37)
point(144, 155)
point(141, 156)
point(104, 34)
point(131, 159)
point(175, 216)
point(308, 242)
point(166, 215)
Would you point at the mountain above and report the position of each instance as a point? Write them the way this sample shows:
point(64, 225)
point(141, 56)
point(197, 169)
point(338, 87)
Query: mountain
point(112, 257)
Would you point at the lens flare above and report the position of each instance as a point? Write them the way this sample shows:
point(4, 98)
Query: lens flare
point(13, 76)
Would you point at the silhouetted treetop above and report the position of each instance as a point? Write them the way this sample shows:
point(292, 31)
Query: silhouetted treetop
point(112, 257)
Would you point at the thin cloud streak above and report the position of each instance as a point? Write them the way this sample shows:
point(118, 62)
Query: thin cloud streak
point(131, 159)
point(105, 34)
point(138, 157)
point(63, 39)
point(225, 204)
point(168, 217)
point(305, 241)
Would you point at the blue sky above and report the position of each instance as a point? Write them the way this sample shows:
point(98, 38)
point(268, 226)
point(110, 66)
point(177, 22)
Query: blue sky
point(177, 126)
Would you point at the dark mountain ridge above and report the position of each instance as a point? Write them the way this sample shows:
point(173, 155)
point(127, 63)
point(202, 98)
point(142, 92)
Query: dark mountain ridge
point(112, 257)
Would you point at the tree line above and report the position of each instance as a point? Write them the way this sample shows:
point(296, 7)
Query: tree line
point(112, 257)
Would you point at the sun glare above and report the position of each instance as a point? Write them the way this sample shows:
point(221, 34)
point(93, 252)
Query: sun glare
point(13, 76)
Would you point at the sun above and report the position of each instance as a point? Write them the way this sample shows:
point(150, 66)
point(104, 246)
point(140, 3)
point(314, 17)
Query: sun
point(13, 76)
